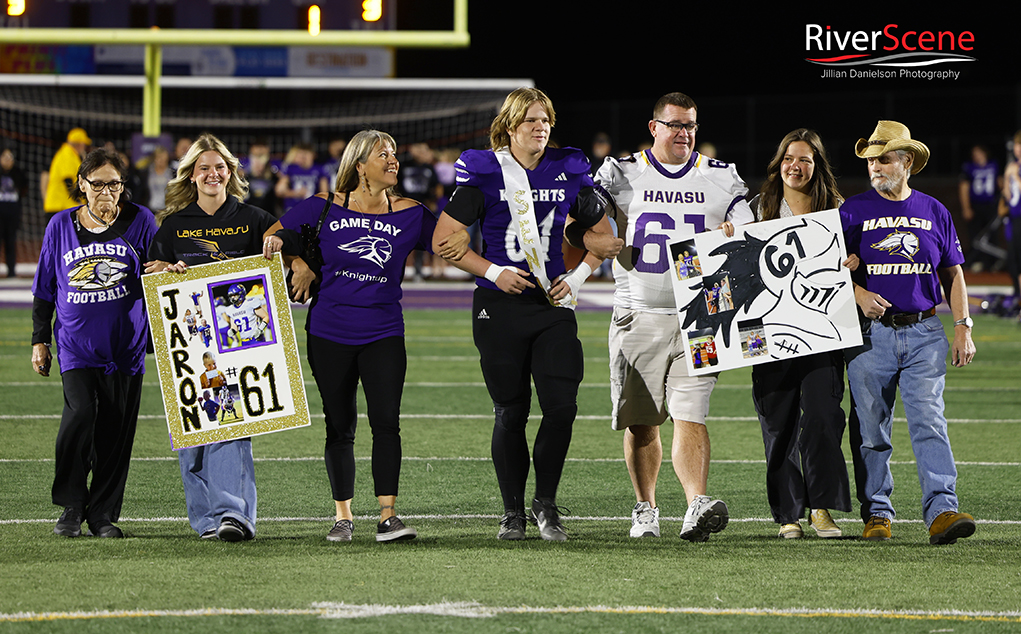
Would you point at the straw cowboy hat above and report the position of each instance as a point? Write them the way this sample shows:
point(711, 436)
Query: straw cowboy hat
point(890, 136)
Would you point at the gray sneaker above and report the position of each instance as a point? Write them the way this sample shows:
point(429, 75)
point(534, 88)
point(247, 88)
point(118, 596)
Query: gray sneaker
point(394, 529)
point(703, 517)
point(644, 520)
point(547, 518)
point(512, 526)
point(341, 531)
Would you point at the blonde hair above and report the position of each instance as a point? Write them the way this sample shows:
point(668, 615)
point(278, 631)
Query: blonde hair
point(181, 190)
point(357, 153)
point(512, 114)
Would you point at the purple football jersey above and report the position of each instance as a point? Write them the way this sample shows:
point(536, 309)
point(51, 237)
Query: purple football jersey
point(555, 183)
point(982, 179)
point(302, 178)
point(363, 254)
point(902, 244)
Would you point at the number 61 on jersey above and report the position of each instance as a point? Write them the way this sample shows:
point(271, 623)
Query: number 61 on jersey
point(225, 351)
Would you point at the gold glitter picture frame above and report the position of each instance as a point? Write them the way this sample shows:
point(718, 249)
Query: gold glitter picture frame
point(225, 351)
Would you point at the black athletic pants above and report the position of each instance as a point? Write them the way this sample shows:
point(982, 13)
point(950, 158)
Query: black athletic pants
point(798, 402)
point(381, 365)
point(97, 430)
point(522, 338)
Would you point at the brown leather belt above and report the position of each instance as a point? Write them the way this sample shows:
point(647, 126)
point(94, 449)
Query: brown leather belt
point(905, 319)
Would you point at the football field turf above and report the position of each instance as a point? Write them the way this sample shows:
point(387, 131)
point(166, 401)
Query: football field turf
point(457, 577)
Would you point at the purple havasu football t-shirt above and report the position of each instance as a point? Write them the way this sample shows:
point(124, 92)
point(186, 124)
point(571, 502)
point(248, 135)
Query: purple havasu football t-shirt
point(364, 254)
point(902, 244)
point(555, 183)
point(96, 286)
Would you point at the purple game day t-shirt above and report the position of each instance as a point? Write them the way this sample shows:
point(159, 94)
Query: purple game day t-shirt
point(363, 254)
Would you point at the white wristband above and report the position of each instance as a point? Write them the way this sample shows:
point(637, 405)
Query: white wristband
point(578, 277)
point(493, 272)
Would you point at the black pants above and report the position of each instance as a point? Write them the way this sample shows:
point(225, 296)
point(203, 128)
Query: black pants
point(10, 221)
point(97, 430)
point(381, 366)
point(520, 339)
point(798, 402)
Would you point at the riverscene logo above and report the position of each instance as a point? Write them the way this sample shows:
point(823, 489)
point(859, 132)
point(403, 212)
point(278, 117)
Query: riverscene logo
point(893, 51)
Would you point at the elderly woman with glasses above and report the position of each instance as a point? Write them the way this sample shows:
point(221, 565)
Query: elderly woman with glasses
point(89, 275)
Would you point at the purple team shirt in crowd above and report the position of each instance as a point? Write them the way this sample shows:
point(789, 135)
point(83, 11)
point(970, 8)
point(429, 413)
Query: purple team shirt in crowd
point(364, 254)
point(902, 244)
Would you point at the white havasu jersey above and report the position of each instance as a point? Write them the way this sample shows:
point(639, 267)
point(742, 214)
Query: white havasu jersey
point(658, 207)
point(243, 317)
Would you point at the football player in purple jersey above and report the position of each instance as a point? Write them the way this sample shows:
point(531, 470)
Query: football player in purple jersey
point(908, 248)
point(355, 323)
point(524, 193)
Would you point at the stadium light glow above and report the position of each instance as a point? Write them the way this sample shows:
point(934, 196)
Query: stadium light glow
point(314, 19)
point(15, 7)
point(372, 10)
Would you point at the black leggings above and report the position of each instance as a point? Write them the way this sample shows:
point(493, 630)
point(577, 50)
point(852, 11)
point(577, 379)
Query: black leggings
point(381, 365)
point(521, 339)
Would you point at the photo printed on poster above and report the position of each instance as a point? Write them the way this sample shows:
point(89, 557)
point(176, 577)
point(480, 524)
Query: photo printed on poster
point(775, 290)
point(225, 351)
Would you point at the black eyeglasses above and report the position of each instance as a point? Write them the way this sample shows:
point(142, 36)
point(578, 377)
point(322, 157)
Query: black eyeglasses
point(677, 126)
point(98, 186)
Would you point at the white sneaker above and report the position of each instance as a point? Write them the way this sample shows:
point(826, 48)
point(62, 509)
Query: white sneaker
point(823, 524)
point(703, 517)
point(645, 520)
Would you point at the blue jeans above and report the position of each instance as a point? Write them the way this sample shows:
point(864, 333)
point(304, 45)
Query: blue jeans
point(913, 358)
point(219, 481)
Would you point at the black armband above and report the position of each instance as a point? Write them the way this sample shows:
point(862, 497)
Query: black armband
point(590, 205)
point(467, 204)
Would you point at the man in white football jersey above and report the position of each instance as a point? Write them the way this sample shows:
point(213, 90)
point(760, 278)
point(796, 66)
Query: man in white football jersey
point(247, 316)
point(663, 195)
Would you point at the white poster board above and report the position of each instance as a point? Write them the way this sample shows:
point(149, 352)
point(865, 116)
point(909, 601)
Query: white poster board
point(775, 290)
point(225, 351)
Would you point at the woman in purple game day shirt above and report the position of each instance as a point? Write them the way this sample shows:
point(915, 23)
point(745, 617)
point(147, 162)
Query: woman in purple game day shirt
point(89, 274)
point(355, 324)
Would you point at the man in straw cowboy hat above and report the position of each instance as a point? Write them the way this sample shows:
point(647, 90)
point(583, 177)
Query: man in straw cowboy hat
point(908, 247)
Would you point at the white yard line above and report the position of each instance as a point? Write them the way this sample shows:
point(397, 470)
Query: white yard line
point(476, 610)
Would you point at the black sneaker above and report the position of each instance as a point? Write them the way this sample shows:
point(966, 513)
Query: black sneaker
point(103, 528)
point(394, 529)
point(341, 531)
point(512, 526)
point(546, 515)
point(70, 522)
point(231, 530)
point(209, 534)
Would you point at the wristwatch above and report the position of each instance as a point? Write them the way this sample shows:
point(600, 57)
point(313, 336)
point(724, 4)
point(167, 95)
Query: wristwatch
point(967, 321)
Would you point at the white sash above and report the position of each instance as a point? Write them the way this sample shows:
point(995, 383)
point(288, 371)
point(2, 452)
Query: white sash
point(519, 200)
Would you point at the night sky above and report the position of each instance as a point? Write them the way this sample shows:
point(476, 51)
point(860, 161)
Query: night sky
point(604, 68)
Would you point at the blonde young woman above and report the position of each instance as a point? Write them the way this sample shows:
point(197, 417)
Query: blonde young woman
point(798, 399)
point(355, 323)
point(204, 199)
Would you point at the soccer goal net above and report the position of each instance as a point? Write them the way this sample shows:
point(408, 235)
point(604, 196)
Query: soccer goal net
point(37, 113)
